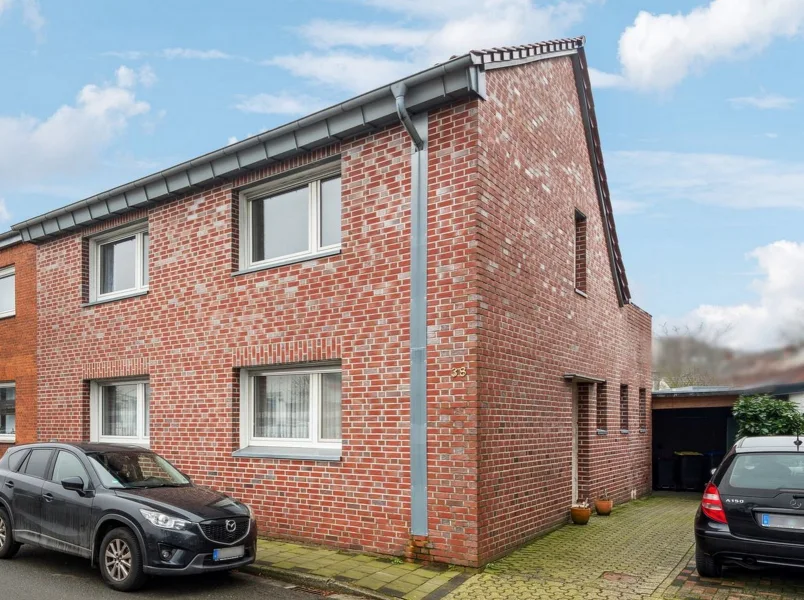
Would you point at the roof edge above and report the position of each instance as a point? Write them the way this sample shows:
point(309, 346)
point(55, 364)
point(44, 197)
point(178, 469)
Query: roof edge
point(10, 238)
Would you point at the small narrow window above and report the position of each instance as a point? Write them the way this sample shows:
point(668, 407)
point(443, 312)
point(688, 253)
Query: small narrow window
point(8, 406)
point(580, 252)
point(602, 407)
point(643, 409)
point(119, 264)
point(624, 408)
point(8, 301)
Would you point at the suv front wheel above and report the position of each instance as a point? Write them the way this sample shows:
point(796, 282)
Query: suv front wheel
point(120, 561)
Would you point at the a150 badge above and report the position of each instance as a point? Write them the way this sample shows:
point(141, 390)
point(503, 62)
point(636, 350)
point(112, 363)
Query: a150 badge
point(458, 372)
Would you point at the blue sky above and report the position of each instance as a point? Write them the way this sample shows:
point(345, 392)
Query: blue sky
point(700, 104)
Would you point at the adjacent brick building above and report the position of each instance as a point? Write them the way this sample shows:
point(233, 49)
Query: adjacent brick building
point(390, 326)
point(17, 341)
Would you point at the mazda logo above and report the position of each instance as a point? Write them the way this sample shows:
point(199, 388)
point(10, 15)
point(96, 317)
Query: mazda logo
point(231, 526)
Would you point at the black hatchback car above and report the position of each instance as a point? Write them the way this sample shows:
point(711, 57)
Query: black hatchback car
point(126, 509)
point(752, 512)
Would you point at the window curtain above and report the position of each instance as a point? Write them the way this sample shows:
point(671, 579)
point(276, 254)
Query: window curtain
point(119, 410)
point(8, 396)
point(331, 406)
point(282, 406)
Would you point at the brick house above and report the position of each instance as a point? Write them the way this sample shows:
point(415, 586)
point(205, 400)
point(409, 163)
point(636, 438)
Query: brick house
point(17, 341)
point(400, 325)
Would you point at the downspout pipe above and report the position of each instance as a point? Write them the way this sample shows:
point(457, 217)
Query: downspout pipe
point(417, 129)
point(399, 90)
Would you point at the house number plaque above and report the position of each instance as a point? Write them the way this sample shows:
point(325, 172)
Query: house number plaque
point(458, 372)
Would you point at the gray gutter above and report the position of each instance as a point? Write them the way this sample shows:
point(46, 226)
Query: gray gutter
point(455, 79)
point(9, 238)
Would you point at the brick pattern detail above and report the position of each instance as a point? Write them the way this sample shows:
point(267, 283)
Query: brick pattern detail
point(115, 369)
point(419, 549)
point(18, 341)
point(625, 408)
point(534, 173)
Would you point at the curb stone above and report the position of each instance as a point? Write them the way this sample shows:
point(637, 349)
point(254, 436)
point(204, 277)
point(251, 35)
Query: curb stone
point(314, 581)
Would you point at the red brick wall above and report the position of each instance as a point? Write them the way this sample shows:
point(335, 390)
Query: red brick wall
point(198, 324)
point(534, 173)
point(18, 341)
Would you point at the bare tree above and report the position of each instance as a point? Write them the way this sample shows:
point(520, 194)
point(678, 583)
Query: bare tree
point(685, 356)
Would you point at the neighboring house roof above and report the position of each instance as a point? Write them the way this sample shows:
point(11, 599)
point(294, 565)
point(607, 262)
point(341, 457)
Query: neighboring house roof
point(460, 77)
point(697, 391)
point(9, 238)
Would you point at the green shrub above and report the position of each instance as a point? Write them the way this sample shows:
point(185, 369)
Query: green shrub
point(765, 415)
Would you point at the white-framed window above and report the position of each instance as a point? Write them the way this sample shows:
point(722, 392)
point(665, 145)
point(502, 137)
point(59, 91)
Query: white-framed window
point(118, 263)
point(120, 412)
point(8, 293)
point(8, 413)
point(294, 408)
point(291, 219)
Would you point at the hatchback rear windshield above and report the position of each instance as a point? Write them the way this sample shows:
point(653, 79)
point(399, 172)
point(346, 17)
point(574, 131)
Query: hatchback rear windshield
point(767, 471)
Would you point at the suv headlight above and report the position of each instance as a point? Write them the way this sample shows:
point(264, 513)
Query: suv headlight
point(164, 521)
point(250, 511)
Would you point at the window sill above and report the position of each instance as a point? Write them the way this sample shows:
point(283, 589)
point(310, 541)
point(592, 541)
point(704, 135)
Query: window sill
point(124, 442)
point(625, 431)
point(8, 316)
point(289, 261)
point(643, 431)
point(602, 432)
point(8, 439)
point(327, 454)
point(581, 293)
point(115, 299)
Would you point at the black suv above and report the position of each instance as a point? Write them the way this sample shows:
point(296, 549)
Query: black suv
point(126, 509)
point(752, 513)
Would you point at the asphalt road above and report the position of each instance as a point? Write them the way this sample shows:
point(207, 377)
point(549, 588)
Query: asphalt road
point(36, 574)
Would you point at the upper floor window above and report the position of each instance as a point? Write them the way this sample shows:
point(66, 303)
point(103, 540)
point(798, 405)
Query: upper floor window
point(8, 419)
point(290, 221)
point(119, 263)
point(120, 412)
point(8, 302)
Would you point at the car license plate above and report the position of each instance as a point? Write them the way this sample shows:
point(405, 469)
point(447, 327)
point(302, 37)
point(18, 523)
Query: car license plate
point(772, 521)
point(228, 553)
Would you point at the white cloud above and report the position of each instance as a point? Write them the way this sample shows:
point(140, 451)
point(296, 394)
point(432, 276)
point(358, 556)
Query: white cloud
point(71, 140)
point(126, 54)
point(231, 140)
point(354, 72)
point(5, 5)
point(32, 17)
point(128, 77)
point(284, 103)
point(192, 53)
point(444, 28)
point(779, 304)
point(764, 101)
point(659, 50)
point(601, 79)
point(771, 135)
point(733, 181)
point(5, 215)
point(627, 207)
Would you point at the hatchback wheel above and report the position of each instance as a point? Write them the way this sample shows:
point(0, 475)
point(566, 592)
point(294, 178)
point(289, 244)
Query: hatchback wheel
point(706, 565)
point(8, 547)
point(120, 561)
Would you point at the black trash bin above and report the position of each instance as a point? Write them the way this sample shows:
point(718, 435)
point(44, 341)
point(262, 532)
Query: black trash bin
point(689, 471)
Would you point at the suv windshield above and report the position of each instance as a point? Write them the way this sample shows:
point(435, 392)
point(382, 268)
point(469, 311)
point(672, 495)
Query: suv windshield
point(133, 469)
point(768, 471)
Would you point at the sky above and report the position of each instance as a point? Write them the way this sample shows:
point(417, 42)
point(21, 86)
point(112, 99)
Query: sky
point(700, 105)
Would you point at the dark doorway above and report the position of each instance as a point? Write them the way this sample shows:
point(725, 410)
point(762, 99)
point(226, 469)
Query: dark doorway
point(687, 444)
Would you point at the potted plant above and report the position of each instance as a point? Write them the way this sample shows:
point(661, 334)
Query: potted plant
point(604, 504)
point(580, 512)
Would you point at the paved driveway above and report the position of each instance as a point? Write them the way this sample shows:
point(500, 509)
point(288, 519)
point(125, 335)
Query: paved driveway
point(644, 550)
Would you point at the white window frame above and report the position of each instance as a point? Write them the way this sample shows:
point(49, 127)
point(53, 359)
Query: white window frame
point(312, 179)
point(247, 405)
point(138, 231)
point(4, 273)
point(96, 413)
point(10, 437)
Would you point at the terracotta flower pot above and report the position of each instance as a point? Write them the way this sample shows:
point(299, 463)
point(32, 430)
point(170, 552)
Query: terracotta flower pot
point(580, 516)
point(604, 507)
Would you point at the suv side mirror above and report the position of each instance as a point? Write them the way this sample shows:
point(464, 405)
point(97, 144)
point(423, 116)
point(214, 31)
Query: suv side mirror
point(73, 484)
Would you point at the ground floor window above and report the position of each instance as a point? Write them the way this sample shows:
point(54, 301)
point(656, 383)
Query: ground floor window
point(8, 417)
point(292, 408)
point(120, 412)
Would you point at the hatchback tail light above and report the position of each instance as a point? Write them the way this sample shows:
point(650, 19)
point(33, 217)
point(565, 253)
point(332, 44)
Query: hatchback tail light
point(711, 505)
